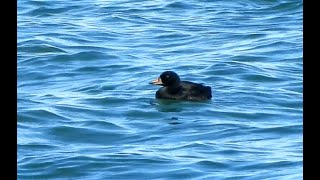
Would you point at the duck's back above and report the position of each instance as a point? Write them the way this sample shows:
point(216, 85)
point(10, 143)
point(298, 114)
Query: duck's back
point(194, 91)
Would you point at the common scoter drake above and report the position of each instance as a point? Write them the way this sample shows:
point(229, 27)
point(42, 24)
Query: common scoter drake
point(173, 88)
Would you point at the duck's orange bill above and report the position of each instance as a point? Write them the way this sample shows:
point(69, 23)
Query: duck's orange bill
point(156, 81)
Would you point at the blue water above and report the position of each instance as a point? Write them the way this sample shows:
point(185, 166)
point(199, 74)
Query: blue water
point(86, 110)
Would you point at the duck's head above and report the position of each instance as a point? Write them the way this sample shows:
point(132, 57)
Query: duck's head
point(167, 78)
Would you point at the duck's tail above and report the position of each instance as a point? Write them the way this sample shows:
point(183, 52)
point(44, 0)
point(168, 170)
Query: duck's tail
point(209, 95)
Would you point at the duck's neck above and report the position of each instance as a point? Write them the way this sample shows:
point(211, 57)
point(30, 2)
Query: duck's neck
point(174, 89)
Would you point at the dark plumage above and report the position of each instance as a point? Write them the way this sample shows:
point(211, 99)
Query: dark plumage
point(174, 88)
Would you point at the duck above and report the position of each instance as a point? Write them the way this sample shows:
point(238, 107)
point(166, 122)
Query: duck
point(174, 88)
